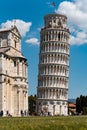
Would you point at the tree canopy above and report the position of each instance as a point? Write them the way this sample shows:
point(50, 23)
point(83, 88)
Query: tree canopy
point(32, 104)
point(81, 104)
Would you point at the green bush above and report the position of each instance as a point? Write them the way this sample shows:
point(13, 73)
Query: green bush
point(85, 110)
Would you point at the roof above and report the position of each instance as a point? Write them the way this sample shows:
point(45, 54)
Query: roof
point(10, 29)
point(3, 50)
point(5, 29)
point(55, 14)
point(72, 105)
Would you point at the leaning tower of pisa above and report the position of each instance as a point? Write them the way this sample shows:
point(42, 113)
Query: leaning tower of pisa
point(52, 90)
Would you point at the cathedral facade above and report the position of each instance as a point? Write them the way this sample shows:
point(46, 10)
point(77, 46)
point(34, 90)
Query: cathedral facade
point(13, 74)
point(52, 90)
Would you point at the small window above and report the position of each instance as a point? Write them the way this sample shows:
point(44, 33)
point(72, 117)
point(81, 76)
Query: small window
point(51, 102)
point(14, 63)
point(63, 103)
point(54, 21)
point(0, 43)
point(0, 55)
point(15, 43)
point(58, 103)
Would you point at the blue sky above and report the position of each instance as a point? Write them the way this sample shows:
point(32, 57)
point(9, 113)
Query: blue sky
point(29, 19)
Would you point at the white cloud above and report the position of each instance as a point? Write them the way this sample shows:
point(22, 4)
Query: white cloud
point(81, 38)
point(22, 26)
point(76, 12)
point(81, 4)
point(33, 41)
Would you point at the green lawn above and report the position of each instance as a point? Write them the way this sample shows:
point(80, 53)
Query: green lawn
point(44, 123)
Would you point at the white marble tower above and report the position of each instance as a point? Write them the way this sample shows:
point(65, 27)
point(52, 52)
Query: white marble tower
point(13, 74)
point(52, 90)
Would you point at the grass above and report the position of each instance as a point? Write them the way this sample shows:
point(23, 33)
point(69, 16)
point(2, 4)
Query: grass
point(44, 123)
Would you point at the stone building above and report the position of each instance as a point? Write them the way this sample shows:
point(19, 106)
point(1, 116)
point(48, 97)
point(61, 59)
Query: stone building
point(13, 74)
point(52, 90)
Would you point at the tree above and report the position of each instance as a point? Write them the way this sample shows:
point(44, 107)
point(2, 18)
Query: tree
point(32, 104)
point(81, 104)
point(78, 105)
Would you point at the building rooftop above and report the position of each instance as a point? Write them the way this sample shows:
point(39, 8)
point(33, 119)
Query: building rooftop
point(55, 14)
point(3, 50)
point(10, 29)
point(72, 105)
